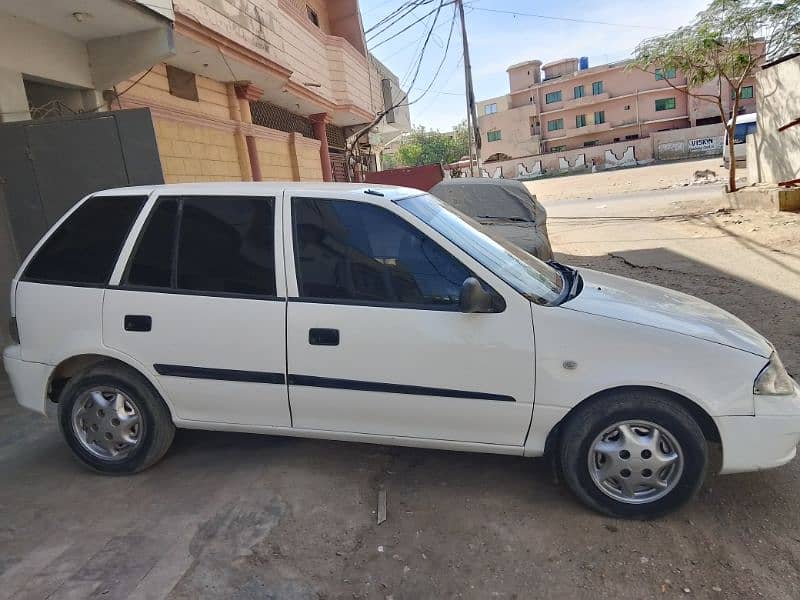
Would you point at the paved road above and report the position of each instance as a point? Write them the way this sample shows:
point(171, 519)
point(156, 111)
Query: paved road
point(241, 516)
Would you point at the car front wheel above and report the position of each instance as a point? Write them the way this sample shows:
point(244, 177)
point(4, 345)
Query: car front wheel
point(633, 454)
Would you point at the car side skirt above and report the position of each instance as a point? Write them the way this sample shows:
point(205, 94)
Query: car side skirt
point(345, 436)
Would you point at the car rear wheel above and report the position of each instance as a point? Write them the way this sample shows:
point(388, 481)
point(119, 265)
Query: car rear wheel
point(633, 454)
point(113, 420)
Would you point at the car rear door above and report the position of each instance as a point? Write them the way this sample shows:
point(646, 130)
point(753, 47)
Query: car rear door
point(199, 304)
point(376, 341)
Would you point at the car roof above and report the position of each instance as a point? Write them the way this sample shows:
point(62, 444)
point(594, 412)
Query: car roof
point(350, 191)
point(746, 118)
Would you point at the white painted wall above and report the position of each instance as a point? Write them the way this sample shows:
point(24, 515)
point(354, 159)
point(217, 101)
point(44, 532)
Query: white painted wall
point(778, 103)
point(13, 102)
point(34, 50)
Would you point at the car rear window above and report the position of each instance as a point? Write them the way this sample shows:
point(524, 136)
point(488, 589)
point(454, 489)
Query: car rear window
point(85, 247)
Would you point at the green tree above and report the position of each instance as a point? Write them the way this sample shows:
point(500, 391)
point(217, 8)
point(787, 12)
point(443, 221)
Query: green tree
point(728, 40)
point(423, 146)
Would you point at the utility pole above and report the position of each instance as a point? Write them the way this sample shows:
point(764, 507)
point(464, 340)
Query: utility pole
point(471, 112)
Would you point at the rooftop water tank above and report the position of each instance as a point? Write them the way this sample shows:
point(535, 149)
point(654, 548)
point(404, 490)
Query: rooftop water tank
point(584, 63)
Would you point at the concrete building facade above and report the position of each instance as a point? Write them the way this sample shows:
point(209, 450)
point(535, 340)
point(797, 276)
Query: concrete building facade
point(773, 150)
point(257, 90)
point(566, 105)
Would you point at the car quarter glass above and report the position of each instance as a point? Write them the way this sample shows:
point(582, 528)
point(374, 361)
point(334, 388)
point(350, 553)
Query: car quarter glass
point(355, 251)
point(84, 249)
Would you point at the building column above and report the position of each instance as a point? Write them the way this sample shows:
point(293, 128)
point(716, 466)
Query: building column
point(241, 143)
point(294, 159)
point(319, 121)
point(246, 93)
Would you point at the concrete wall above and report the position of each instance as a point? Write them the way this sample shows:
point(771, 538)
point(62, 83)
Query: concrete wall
point(776, 153)
point(517, 135)
point(35, 50)
point(706, 140)
point(608, 156)
point(524, 75)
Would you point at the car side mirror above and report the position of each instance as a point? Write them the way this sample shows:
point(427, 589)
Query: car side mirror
point(474, 299)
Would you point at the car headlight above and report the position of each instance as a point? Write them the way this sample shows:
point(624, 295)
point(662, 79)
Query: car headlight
point(773, 379)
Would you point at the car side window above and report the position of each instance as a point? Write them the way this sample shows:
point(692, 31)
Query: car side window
point(224, 244)
point(85, 248)
point(354, 251)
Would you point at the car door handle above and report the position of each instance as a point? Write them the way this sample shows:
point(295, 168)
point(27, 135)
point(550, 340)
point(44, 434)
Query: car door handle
point(323, 337)
point(138, 322)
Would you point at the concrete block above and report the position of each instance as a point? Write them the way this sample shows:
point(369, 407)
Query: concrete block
point(764, 197)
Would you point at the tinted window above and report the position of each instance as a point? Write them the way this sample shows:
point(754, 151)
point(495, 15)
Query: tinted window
point(86, 246)
point(742, 131)
point(226, 244)
point(152, 260)
point(353, 251)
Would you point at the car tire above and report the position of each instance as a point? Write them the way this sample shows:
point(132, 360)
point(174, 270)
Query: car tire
point(633, 454)
point(113, 420)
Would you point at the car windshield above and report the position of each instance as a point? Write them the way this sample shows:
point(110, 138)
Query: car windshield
point(536, 280)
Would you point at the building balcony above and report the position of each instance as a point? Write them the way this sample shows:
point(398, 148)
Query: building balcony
point(100, 44)
point(586, 100)
point(589, 129)
point(554, 135)
point(304, 67)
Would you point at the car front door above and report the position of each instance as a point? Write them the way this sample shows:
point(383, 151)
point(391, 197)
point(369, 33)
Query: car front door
point(199, 305)
point(376, 341)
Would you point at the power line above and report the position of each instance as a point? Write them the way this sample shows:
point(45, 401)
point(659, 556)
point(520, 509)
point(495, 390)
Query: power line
point(442, 92)
point(364, 130)
point(437, 93)
point(441, 64)
point(396, 16)
point(407, 27)
point(568, 19)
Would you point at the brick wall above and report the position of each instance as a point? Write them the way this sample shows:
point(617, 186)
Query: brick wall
point(212, 95)
point(275, 159)
point(202, 141)
point(309, 166)
point(191, 153)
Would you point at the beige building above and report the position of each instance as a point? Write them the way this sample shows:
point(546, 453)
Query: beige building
point(565, 105)
point(263, 89)
point(773, 151)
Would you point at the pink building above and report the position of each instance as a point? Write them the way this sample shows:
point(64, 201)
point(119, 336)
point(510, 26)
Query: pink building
point(565, 105)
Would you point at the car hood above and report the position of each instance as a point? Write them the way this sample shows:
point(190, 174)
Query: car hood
point(645, 304)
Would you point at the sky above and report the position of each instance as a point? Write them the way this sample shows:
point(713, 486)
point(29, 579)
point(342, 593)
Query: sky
point(498, 40)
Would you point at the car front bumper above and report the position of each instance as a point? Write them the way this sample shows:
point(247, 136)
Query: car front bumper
point(765, 440)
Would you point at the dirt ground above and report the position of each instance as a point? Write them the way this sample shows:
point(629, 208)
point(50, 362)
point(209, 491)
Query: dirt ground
point(620, 181)
point(252, 517)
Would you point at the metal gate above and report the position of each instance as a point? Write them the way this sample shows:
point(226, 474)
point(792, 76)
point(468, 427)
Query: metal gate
point(47, 166)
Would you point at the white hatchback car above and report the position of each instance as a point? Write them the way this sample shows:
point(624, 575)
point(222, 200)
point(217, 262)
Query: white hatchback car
point(379, 314)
